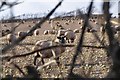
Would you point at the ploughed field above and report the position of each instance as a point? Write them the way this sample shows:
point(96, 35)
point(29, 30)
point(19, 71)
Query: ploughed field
point(91, 63)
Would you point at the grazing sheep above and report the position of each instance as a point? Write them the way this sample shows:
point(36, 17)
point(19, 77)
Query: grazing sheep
point(66, 23)
point(61, 32)
point(49, 52)
point(45, 32)
point(57, 22)
point(76, 31)
point(20, 34)
point(36, 32)
point(82, 21)
point(5, 32)
point(11, 38)
point(117, 28)
point(33, 21)
point(59, 26)
point(4, 25)
point(70, 36)
point(79, 22)
point(96, 22)
point(29, 26)
point(72, 21)
point(52, 32)
point(93, 30)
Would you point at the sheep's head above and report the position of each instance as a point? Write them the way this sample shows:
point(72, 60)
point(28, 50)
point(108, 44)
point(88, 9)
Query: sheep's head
point(61, 39)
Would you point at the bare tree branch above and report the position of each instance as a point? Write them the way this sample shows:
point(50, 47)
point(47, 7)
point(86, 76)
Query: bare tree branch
point(27, 54)
point(79, 47)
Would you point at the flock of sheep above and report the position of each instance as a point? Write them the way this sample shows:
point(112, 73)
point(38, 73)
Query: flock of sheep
point(63, 36)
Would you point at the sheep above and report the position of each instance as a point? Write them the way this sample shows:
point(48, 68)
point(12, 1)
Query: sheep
point(61, 32)
point(70, 36)
point(67, 23)
point(76, 31)
point(82, 21)
point(45, 32)
point(36, 32)
point(57, 22)
point(20, 34)
point(59, 26)
point(49, 52)
point(79, 22)
point(93, 30)
point(5, 32)
point(4, 25)
point(29, 26)
point(11, 38)
point(117, 28)
point(33, 21)
point(52, 31)
point(96, 22)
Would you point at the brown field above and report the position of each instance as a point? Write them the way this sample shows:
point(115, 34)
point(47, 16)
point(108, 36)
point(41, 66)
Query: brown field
point(91, 63)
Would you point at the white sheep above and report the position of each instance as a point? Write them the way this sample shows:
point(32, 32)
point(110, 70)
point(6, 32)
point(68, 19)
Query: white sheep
point(61, 32)
point(79, 22)
point(70, 36)
point(76, 31)
point(20, 34)
point(36, 32)
point(49, 52)
point(45, 32)
point(52, 32)
point(11, 38)
point(117, 28)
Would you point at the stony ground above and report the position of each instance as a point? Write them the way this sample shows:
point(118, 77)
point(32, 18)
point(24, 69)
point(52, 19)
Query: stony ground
point(91, 63)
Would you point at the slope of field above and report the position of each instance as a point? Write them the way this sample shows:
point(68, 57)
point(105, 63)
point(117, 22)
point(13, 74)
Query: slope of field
point(91, 63)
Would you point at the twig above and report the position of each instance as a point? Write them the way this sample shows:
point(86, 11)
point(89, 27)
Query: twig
point(18, 68)
point(46, 64)
point(27, 54)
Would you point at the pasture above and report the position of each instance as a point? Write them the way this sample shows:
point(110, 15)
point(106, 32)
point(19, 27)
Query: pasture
point(91, 63)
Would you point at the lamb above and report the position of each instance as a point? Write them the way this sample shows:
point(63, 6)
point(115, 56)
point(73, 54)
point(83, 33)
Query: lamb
point(70, 36)
point(11, 38)
point(49, 52)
